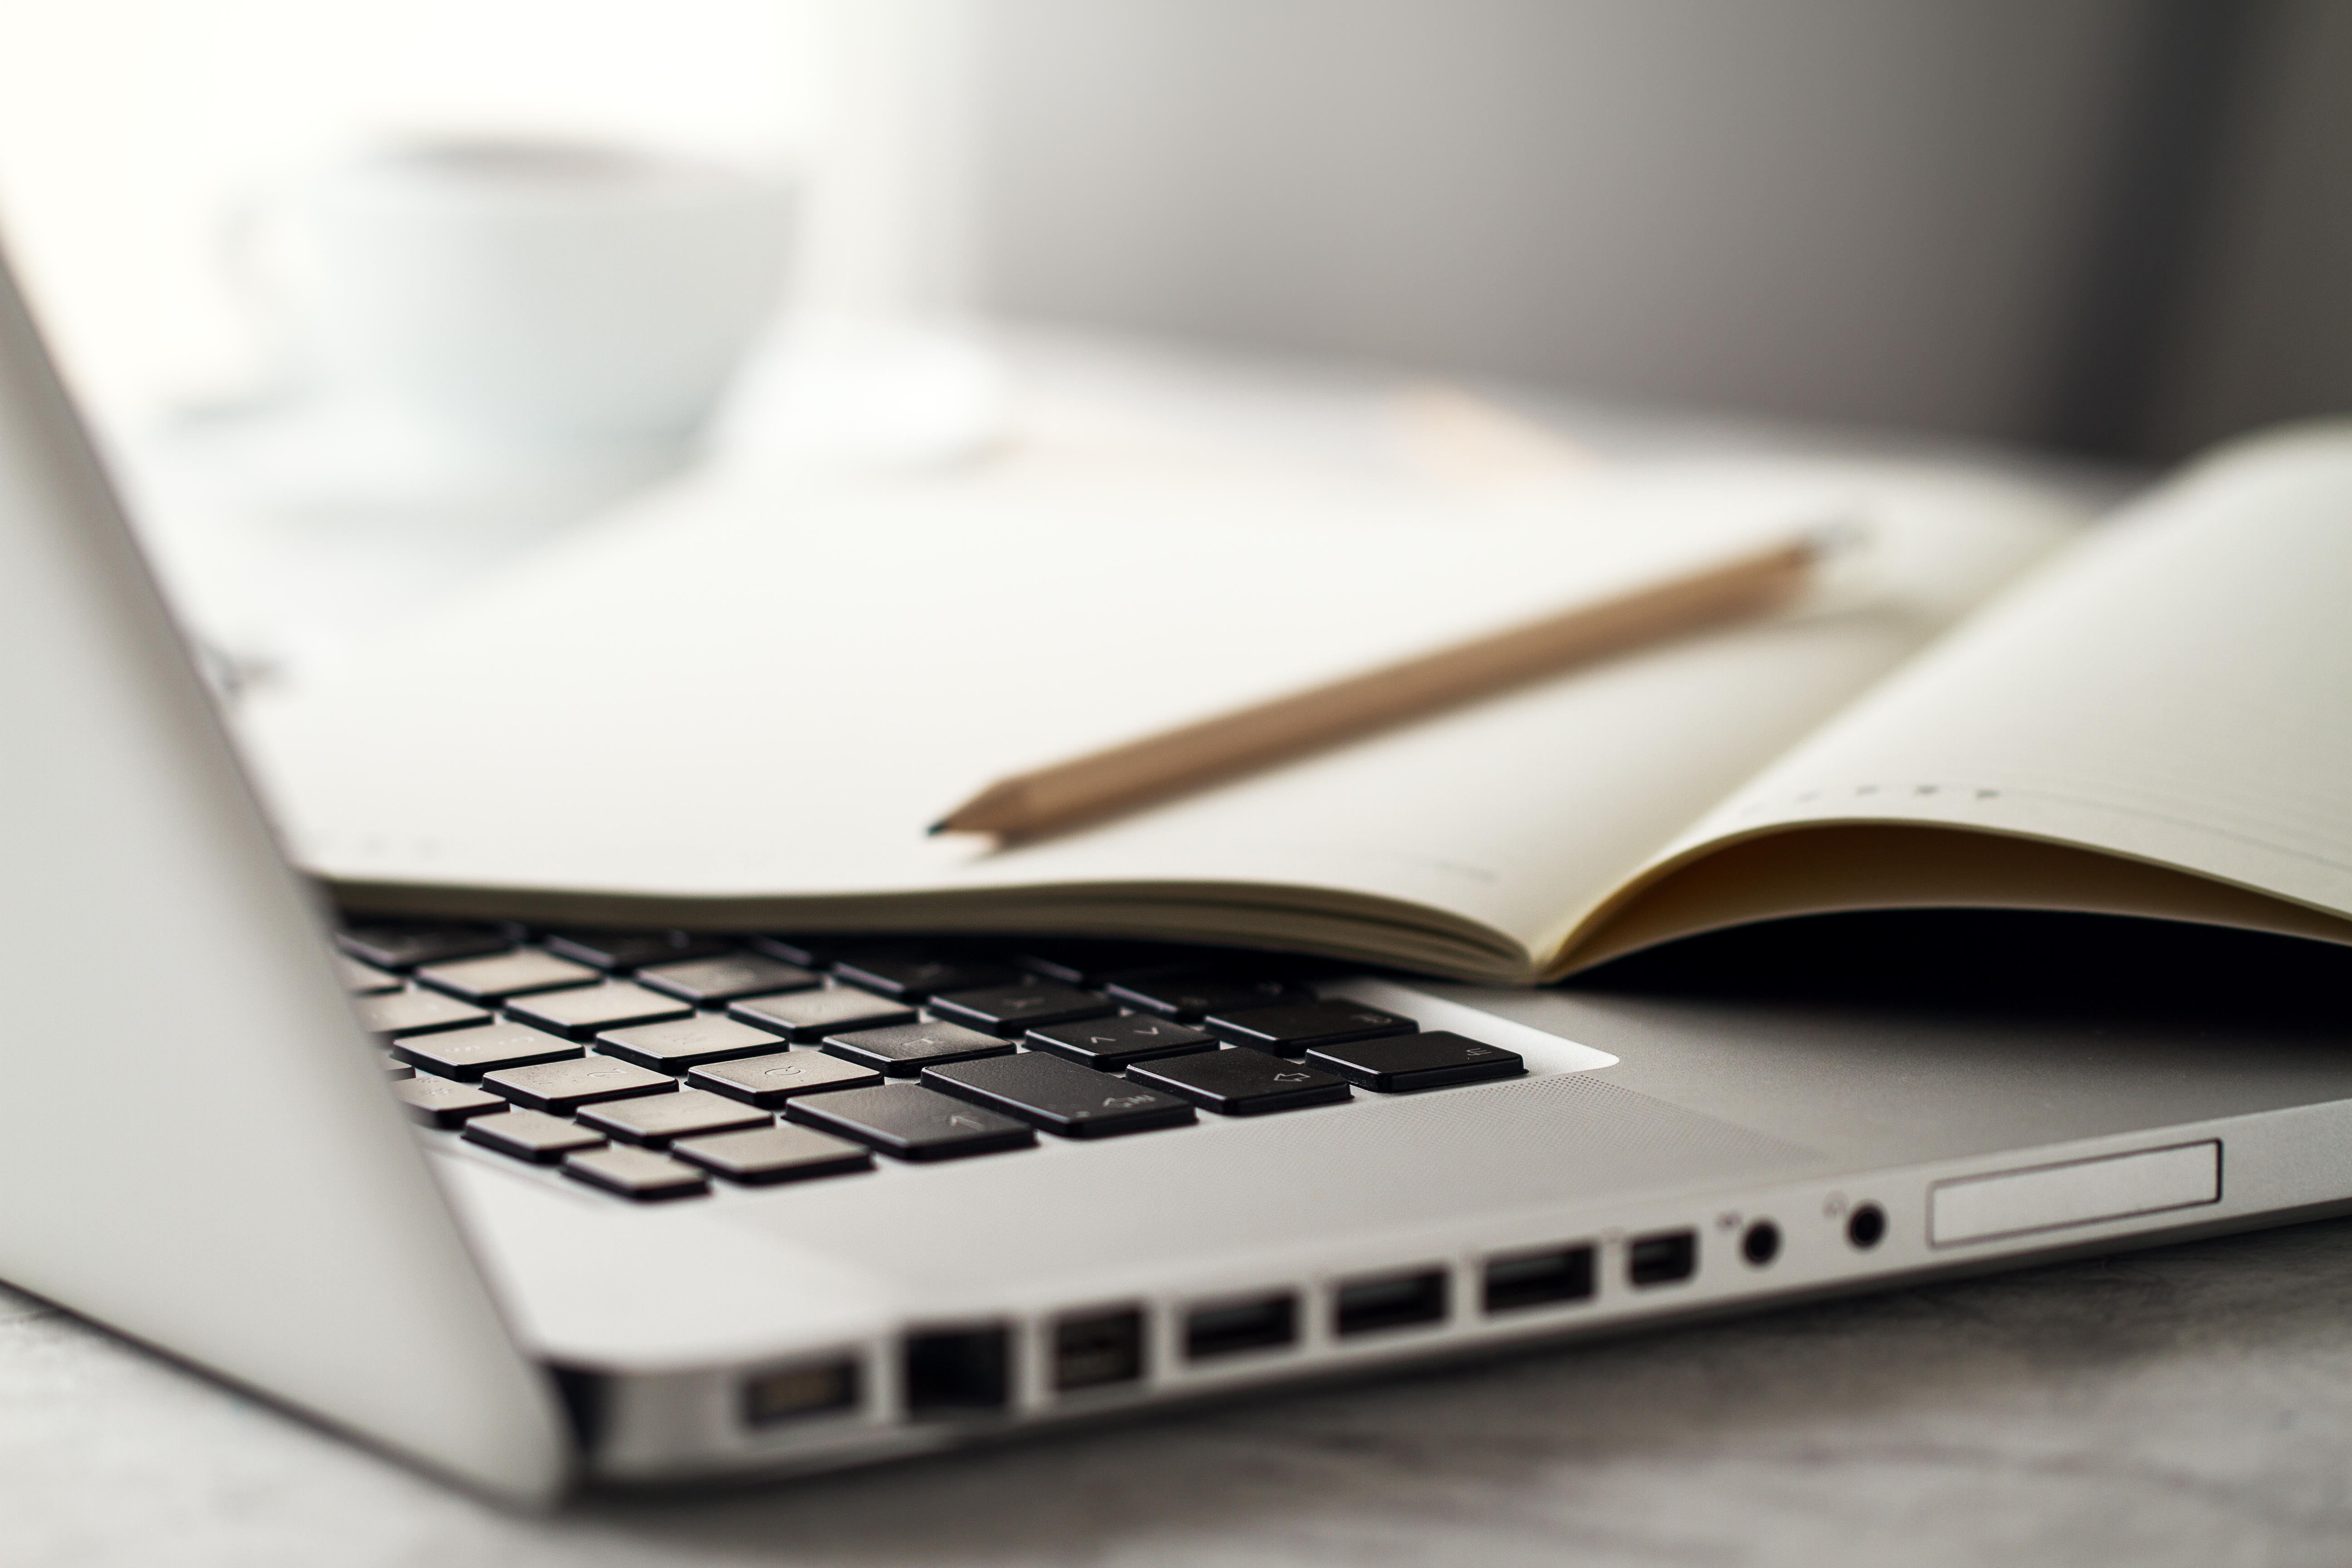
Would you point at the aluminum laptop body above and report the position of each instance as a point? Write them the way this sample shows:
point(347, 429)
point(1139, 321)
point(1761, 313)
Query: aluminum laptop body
point(198, 1149)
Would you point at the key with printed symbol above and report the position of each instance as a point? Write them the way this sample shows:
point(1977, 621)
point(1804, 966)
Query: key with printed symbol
point(1008, 1010)
point(804, 1017)
point(1059, 1096)
point(586, 1013)
point(567, 1086)
point(708, 982)
point(1402, 1063)
point(1242, 1082)
point(769, 1082)
point(1295, 1026)
point(1109, 1044)
point(906, 1050)
point(910, 1121)
point(685, 1043)
point(468, 1054)
point(494, 979)
point(653, 1119)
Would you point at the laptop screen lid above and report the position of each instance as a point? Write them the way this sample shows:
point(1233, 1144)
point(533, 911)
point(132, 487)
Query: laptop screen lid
point(195, 1144)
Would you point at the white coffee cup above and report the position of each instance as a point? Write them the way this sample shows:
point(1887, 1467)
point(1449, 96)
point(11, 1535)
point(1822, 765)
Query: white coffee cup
point(538, 290)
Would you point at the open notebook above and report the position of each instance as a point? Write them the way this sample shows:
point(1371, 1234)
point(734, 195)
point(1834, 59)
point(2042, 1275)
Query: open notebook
point(740, 707)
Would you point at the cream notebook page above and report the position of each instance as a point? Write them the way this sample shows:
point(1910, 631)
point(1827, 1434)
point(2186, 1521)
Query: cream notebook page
point(2176, 694)
point(745, 707)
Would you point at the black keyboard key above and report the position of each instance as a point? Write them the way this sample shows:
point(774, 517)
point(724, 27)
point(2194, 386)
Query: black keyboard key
point(468, 1054)
point(791, 949)
point(364, 979)
point(771, 1081)
point(405, 944)
point(530, 1135)
point(444, 1102)
point(404, 1013)
point(1242, 1082)
point(1405, 1062)
point(505, 975)
point(805, 1018)
point(685, 1043)
point(638, 1174)
point(906, 1050)
point(583, 1014)
point(911, 1123)
point(653, 1120)
point(1060, 1096)
point(1294, 1026)
point(1192, 994)
point(908, 974)
point(622, 951)
point(1109, 1044)
point(568, 1086)
point(1093, 963)
point(706, 982)
point(1013, 1010)
point(766, 1155)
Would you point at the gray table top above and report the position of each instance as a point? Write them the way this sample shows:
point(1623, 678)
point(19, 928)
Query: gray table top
point(2187, 1404)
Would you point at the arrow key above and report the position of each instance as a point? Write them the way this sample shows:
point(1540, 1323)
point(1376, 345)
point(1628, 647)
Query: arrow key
point(1059, 1096)
point(1241, 1082)
point(910, 1121)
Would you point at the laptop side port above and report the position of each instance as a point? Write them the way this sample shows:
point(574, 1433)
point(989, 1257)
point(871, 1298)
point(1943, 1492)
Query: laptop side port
point(1099, 1350)
point(1230, 1328)
point(1665, 1258)
point(1392, 1302)
point(958, 1370)
point(792, 1393)
point(1522, 1279)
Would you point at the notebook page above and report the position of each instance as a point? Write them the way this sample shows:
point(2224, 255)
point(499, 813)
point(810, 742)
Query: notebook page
point(754, 703)
point(2178, 691)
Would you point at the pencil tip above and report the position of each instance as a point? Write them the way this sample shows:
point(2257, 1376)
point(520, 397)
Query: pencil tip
point(936, 828)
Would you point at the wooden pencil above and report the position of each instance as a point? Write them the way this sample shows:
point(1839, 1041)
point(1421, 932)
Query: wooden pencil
point(1177, 762)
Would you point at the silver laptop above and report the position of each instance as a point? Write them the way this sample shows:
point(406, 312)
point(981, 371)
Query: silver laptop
point(975, 1214)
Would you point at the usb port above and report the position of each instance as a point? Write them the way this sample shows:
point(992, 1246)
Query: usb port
point(1097, 1350)
point(1233, 1327)
point(790, 1393)
point(1663, 1259)
point(1396, 1301)
point(1523, 1279)
point(958, 1369)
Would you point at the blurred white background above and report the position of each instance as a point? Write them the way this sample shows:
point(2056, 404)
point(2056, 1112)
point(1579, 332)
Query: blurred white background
point(131, 130)
point(2119, 226)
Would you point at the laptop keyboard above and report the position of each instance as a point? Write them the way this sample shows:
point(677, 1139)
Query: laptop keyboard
point(667, 1065)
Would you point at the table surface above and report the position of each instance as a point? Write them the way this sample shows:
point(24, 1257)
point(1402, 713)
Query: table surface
point(2188, 1404)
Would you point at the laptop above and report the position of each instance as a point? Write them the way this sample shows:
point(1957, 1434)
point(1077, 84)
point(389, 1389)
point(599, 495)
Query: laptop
point(542, 1209)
